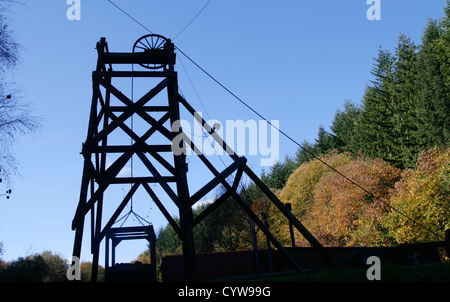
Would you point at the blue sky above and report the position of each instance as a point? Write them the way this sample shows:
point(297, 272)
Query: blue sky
point(295, 61)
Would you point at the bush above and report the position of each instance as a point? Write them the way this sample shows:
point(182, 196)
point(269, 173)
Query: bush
point(333, 209)
point(45, 267)
point(423, 194)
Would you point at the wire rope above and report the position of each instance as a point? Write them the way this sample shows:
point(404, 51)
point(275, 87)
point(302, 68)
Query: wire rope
point(198, 14)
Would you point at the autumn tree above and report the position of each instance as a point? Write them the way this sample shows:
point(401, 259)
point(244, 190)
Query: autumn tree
point(335, 210)
point(300, 190)
point(343, 213)
point(144, 257)
point(86, 272)
point(423, 199)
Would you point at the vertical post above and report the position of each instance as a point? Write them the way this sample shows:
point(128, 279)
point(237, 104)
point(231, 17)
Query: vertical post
point(113, 249)
point(153, 254)
point(107, 251)
point(255, 246)
point(269, 253)
point(94, 273)
point(291, 227)
point(78, 239)
point(185, 210)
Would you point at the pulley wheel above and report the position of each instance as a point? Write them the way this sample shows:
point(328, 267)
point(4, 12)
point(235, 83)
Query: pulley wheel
point(149, 43)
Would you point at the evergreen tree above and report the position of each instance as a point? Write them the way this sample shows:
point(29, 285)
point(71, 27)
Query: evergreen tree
point(168, 242)
point(304, 155)
point(443, 56)
point(344, 128)
point(432, 93)
point(405, 103)
point(388, 121)
point(375, 134)
point(443, 45)
point(324, 142)
point(279, 174)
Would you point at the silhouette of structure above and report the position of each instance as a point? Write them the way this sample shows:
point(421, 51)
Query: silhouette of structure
point(130, 272)
point(156, 56)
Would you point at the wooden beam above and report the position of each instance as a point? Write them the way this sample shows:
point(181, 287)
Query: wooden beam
point(110, 174)
point(160, 179)
point(216, 180)
point(156, 56)
point(145, 108)
point(116, 214)
point(212, 207)
point(132, 74)
point(162, 208)
point(208, 128)
point(127, 148)
point(150, 179)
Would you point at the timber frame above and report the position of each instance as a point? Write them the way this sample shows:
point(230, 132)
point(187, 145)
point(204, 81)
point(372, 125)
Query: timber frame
point(97, 177)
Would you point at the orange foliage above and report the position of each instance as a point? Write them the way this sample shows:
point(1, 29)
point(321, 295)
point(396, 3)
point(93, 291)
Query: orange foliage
point(423, 194)
point(337, 212)
point(344, 214)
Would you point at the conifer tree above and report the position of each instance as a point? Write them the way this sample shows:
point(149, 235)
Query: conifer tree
point(344, 128)
point(432, 92)
point(324, 142)
point(443, 54)
point(375, 132)
point(304, 155)
point(404, 103)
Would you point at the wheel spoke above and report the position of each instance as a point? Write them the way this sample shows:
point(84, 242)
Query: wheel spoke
point(145, 46)
point(158, 46)
point(140, 47)
point(150, 42)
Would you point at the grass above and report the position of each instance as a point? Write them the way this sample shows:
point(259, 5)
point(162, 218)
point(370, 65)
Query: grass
point(433, 272)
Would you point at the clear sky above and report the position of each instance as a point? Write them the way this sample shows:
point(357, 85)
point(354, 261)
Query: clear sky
point(295, 61)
